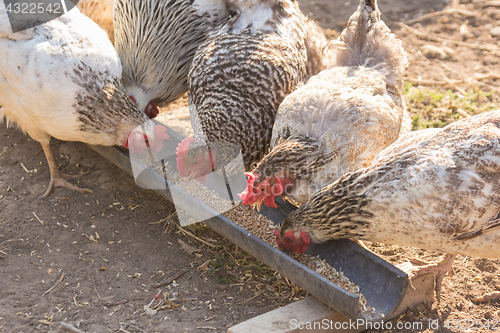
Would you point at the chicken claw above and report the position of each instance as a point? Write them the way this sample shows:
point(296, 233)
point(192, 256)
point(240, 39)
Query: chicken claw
point(57, 178)
point(438, 268)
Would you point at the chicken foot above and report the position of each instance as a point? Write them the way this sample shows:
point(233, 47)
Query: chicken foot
point(57, 178)
point(438, 268)
point(362, 244)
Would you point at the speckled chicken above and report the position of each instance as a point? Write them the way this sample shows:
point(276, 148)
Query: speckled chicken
point(341, 119)
point(62, 79)
point(239, 77)
point(156, 41)
point(433, 189)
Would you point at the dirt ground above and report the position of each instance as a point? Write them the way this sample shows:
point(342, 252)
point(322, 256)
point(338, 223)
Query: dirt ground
point(110, 248)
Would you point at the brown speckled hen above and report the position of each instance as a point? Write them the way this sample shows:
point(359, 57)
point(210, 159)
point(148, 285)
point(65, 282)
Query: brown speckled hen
point(239, 77)
point(341, 119)
point(435, 189)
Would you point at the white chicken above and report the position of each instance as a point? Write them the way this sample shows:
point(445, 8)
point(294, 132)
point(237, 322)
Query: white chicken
point(62, 79)
point(341, 119)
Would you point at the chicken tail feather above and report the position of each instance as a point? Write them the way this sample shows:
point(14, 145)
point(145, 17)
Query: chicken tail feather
point(367, 41)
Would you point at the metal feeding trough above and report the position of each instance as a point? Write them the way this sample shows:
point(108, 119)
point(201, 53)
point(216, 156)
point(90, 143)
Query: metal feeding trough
point(383, 285)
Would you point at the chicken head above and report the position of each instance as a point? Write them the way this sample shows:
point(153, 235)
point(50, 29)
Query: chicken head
point(263, 192)
point(295, 240)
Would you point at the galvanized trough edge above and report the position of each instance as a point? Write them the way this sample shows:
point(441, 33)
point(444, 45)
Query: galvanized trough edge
point(390, 282)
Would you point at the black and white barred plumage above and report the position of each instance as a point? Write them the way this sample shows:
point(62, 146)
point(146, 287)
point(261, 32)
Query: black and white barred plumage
point(243, 72)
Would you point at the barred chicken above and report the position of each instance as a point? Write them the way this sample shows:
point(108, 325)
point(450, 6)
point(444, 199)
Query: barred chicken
point(62, 79)
point(156, 41)
point(434, 189)
point(341, 119)
point(239, 77)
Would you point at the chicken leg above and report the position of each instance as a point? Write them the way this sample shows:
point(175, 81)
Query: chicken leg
point(57, 178)
point(439, 268)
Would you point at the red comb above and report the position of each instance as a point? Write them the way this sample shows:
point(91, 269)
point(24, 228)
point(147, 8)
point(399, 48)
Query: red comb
point(247, 195)
point(182, 151)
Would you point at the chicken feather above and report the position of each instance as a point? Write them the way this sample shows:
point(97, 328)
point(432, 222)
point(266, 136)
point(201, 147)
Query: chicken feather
point(241, 74)
point(433, 189)
point(65, 82)
point(343, 117)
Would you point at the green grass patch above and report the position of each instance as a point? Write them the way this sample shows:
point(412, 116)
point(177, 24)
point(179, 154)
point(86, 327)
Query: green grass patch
point(431, 107)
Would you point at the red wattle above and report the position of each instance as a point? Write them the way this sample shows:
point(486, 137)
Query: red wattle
point(269, 201)
point(153, 112)
point(212, 164)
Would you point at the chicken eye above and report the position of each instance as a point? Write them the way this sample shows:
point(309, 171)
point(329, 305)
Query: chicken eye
point(288, 239)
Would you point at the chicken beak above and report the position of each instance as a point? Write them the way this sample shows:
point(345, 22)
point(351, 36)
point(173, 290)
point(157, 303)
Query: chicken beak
point(259, 203)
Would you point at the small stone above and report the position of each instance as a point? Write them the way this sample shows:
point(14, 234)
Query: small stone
point(465, 32)
point(495, 31)
point(432, 52)
point(150, 312)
